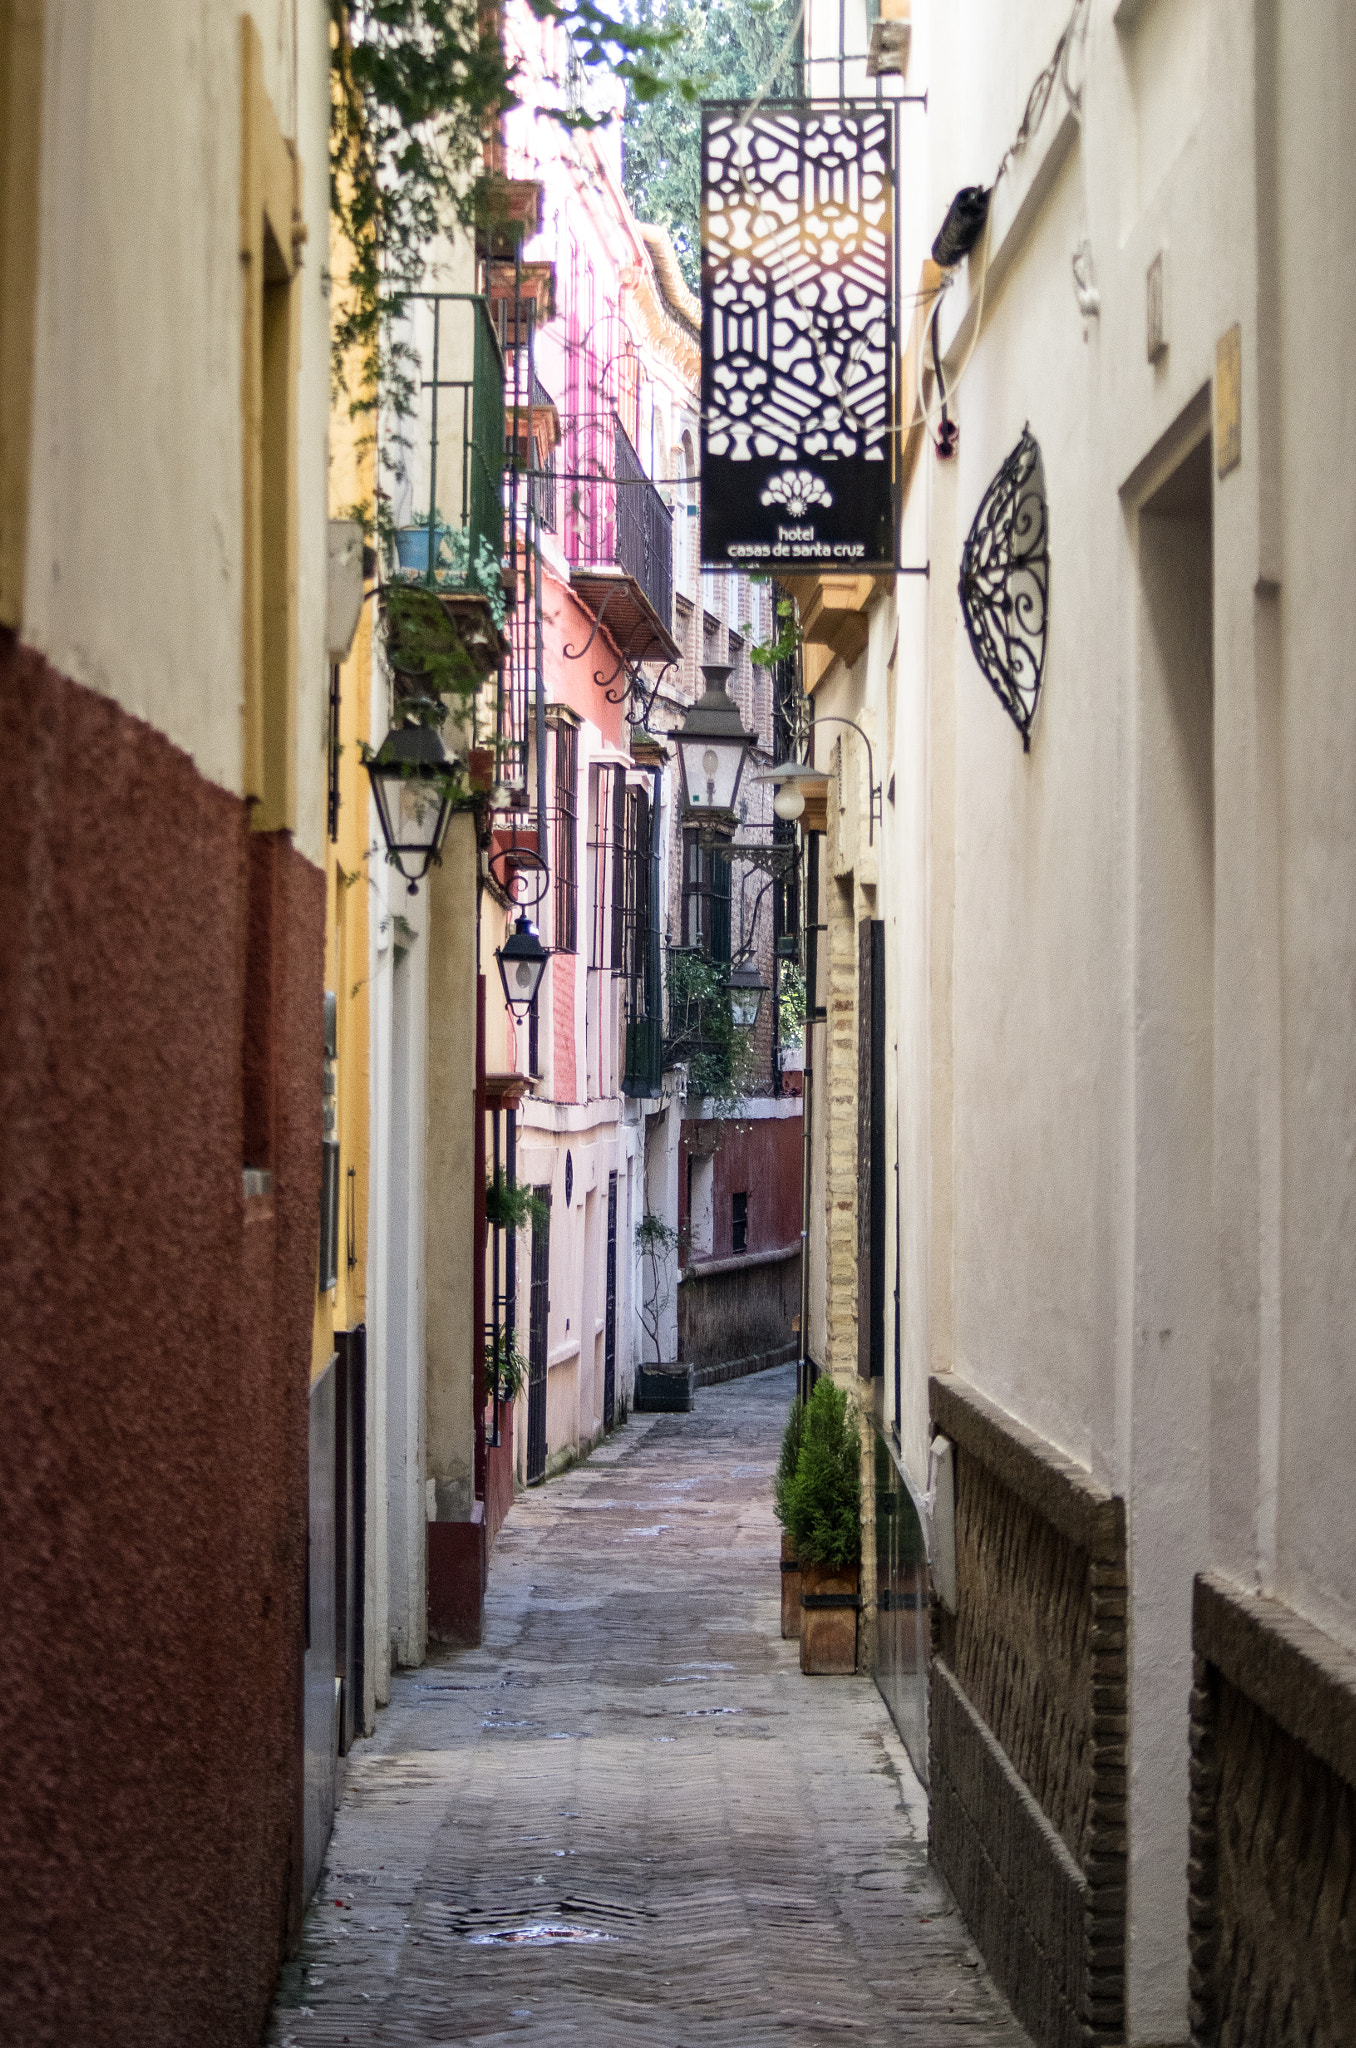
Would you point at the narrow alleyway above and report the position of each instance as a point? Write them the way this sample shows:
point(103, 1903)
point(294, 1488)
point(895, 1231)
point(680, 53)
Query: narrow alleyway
point(628, 1818)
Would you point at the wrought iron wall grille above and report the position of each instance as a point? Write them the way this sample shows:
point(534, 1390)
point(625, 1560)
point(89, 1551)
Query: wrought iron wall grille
point(644, 529)
point(1005, 583)
point(798, 456)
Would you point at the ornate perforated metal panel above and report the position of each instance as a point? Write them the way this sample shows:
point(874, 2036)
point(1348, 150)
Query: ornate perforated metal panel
point(798, 449)
point(1005, 583)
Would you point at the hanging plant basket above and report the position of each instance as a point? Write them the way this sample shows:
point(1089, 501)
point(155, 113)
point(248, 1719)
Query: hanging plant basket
point(1005, 584)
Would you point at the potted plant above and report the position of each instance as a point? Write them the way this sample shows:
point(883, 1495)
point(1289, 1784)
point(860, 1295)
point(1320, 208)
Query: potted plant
point(661, 1388)
point(824, 1522)
point(781, 1485)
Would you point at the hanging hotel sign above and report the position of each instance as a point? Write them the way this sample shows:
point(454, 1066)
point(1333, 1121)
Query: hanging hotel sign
point(798, 454)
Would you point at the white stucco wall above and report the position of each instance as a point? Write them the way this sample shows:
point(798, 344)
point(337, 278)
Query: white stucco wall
point(1120, 967)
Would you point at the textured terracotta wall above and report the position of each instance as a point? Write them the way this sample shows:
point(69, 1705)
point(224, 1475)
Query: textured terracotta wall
point(764, 1159)
point(155, 1354)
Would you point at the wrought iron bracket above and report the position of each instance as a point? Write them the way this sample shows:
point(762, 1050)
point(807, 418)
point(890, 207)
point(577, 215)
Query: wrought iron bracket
point(875, 815)
point(1005, 584)
point(778, 858)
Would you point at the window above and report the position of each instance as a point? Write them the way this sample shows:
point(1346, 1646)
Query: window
point(542, 492)
point(739, 1221)
point(706, 897)
point(567, 838)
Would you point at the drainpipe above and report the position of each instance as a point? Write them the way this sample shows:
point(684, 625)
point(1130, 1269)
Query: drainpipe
point(807, 1099)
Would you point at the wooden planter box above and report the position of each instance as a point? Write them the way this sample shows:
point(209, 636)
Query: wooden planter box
point(828, 1619)
point(790, 1592)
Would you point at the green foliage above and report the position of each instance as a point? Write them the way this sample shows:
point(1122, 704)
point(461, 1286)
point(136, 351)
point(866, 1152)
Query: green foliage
point(512, 1365)
point(790, 1003)
point(414, 88)
point(702, 1027)
point(823, 1500)
point(766, 654)
point(792, 1437)
point(513, 1208)
point(730, 50)
point(654, 1236)
point(425, 651)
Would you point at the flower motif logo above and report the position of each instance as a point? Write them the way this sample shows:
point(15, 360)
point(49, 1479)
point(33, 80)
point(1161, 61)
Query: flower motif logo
point(796, 490)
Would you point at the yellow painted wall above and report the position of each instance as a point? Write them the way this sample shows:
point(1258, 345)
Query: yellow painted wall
point(351, 482)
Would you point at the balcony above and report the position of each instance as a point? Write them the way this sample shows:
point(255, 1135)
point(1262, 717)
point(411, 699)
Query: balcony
point(621, 551)
point(450, 491)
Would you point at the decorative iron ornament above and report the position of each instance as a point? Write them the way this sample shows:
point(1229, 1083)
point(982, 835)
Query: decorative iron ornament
point(1005, 583)
point(798, 456)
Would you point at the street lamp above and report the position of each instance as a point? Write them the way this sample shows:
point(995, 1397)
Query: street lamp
point(747, 989)
point(712, 745)
point(411, 782)
point(792, 778)
point(522, 962)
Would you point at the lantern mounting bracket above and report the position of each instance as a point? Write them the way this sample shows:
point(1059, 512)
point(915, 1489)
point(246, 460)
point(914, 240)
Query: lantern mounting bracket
point(875, 814)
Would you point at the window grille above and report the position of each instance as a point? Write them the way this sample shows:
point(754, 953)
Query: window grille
point(566, 839)
point(542, 492)
point(602, 849)
point(706, 898)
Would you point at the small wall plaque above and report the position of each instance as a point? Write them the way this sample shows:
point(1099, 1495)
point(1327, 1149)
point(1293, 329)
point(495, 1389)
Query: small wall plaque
point(1156, 312)
point(1229, 400)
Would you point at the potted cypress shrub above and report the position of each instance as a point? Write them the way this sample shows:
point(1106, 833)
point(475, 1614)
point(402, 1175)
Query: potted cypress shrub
point(824, 1522)
point(786, 1468)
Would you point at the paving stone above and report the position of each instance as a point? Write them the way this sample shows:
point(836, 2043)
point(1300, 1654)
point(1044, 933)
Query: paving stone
point(628, 1818)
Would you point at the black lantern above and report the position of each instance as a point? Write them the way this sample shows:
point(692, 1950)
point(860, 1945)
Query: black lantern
point(747, 989)
point(713, 744)
point(522, 962)
point(411, 782)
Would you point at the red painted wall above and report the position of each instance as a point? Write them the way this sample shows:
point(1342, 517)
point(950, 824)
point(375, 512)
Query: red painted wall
point(564, 1077)
point(153, 1451)
point(570, 676)
point(763, 1159)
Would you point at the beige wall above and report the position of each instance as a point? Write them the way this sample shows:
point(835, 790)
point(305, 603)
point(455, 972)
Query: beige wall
point(134, 557)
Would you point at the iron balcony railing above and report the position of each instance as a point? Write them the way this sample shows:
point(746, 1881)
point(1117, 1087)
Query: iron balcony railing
point(454, 450)
point(616, 518)
point(644, 529)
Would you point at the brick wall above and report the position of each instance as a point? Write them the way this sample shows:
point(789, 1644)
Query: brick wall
point(1027, 1742)
point(1273, 1826)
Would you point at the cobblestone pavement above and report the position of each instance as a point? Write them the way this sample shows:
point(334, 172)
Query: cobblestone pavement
point(628, 1818)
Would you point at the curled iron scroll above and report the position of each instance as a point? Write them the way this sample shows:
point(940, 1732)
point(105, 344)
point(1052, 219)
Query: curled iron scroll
point(1005, 583)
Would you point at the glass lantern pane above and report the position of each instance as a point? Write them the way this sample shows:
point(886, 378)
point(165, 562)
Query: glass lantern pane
point(711, 768)
point(420, 812)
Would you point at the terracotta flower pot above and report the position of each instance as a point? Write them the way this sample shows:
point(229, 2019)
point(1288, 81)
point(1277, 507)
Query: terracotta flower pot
point(790, 1591)
point(828, 1619)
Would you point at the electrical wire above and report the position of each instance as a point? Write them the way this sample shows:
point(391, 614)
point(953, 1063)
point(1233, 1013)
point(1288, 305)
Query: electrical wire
point(1037, 100)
